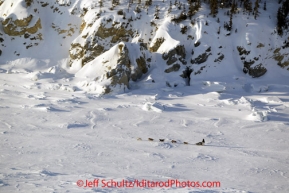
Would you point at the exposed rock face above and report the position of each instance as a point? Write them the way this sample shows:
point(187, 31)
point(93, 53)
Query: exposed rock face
point(124, 72)
point(257, 71)
point(82, 26)
point(28, 2)
point(84, 53)
point(140, 70)
point(91, 51)
point(220, 58)
point(284, 64)
point(178, 53)
point(172, 59)
point(173, 68)
point(93, 45)
point(91, 30)
point(143, 63)
point(281, 59)
point(157, 44)
point(242, 51)
point(120, 76)
point(76, 51)
point(197, 44)
point(254, 71)
point(113, 70)
point(248, 64)
point(201, 58)
point(19, 27)
point(260, 45)
point(117, 34)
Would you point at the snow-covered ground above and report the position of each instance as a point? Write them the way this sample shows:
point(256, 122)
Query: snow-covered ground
point(56, 128)
point(52, 136)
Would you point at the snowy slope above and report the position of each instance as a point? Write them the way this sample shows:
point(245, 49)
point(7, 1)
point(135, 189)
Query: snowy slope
point(57, 127)
point(51, 137)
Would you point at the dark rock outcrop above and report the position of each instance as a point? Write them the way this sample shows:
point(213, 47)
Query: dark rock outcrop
point(178, 53)
point(242, 51)
point(19, 27)
point(201, 58)
point(157, 44)
point(257, 71)
point(124, 70)
point(173, 68)
point(120, 76)
point(220, 58)
point(117, 34)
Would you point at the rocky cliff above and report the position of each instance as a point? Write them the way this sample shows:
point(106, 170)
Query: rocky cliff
point(122, 42)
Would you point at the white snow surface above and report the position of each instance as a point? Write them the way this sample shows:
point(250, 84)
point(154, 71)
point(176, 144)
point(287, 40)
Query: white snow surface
point(53, 135)
point(56, 128)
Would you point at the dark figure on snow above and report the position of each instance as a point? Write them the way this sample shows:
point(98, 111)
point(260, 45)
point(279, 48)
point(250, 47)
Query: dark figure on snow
point(201, 143)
